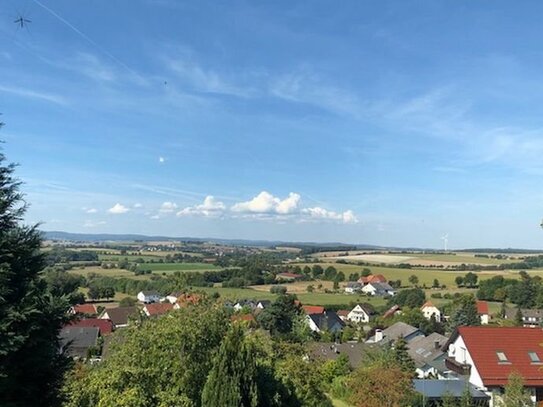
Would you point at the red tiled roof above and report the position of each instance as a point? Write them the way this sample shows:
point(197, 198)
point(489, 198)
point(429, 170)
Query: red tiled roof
point(158, 308)
point(515, 342)
point(187, 299)
point(85, 309)
point(482, 307)
point(105, 326)
point(427, 304)
point(313, 309)
point(343, 313)
point(377, 278)
point(391, 311)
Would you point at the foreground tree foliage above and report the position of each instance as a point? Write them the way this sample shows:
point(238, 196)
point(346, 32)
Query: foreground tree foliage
point(515, 395)
point(31, 368)
point(196, 357)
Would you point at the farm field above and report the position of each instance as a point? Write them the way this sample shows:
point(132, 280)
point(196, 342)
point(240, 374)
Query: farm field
point(171, 267)
point(425, 276)
point(412, 258)
point(106, 273)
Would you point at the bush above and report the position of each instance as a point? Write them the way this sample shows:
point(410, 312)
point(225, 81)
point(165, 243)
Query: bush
point(278, 289)
point(436, 295)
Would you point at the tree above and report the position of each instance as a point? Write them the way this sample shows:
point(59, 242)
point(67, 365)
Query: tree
point(435, 284)
point(232, 381)
point(279, 316)
point(518, 317)
point(401, 356)
point(459, 281)
point(108, 292)
point(412, 298)
point(414, 280)
point(515, 394)
point(470, 280)
point(310, 288)
point(465, 313)
point(316, 271)
point(31, 315)
point(330, 273)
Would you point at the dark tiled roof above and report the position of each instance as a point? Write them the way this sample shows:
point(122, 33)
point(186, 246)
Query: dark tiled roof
point(105, 326)
point(327, 321)
point(436, 389)
point(77, 340)
point(120, 315)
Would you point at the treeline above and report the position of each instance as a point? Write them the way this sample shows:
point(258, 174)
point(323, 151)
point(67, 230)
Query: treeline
point(525, 293)
point(60, 255)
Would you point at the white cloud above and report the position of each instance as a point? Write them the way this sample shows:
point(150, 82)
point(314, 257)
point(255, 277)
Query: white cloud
point(91, 210)
point(138, 205)
point(154, 217)
point(210, 207)
point(32, 94)
point(161, 160)
point(118, 209)
point(321, 213)
point(168, 207)
point(266, 203)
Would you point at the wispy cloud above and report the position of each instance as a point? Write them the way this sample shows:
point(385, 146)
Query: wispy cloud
point(36, 95)
point(118, 209)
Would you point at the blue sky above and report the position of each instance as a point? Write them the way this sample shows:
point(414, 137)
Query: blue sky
point(389, 123)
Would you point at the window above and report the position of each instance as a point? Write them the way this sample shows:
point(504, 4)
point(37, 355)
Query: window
point(501, 357)
point(534, 358)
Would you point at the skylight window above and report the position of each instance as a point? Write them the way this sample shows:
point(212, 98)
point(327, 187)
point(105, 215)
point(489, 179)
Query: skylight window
point(501, 357)
point(534, 357)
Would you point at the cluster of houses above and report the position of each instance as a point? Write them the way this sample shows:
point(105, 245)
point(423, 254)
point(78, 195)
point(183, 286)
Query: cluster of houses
point(479, 359)
point(374, 285)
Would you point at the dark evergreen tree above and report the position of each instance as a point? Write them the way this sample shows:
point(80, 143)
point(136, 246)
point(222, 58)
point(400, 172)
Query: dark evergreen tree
point(232, 381)
point(279, 317)
point(31, 368)
point(401, 356)
point(518, 317)
point(465, 313)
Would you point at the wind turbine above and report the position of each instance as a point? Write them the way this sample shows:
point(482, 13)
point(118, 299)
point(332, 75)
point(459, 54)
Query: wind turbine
point(445, 239)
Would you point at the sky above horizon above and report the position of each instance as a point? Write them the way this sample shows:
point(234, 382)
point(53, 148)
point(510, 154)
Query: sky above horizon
point(388, 123)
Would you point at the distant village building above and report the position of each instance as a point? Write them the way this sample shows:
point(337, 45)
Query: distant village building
point(394, 332)
point(361, 313)
point(84, 309)
point(378, 289)
point(105, 326)
point(353, 287)
point(434, 391)
point(429, 310)
point(327, 321)
point(394, 310)
point(486, 356)
point(120, 316)
point(377, 278)
point(428, 355)
point(148, 297)
point(76, 342)
point(157, 309)
point(530, 317)
point(482, 310)
point(313, 309)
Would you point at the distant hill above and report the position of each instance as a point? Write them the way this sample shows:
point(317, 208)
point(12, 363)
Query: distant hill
point(105, 237)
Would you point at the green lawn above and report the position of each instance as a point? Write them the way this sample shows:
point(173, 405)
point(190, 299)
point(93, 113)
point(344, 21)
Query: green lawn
point(106, 272)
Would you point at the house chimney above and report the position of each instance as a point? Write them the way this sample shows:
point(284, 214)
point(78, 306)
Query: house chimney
point(378, 335)
point(436, 344)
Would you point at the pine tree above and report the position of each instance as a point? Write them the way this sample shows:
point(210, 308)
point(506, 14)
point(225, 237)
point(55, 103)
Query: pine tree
point(401, 356)
point(465, 313)
point(232, 381)
point(518, 317)
point(31, 367)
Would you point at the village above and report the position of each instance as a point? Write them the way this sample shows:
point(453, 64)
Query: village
point(478, 357)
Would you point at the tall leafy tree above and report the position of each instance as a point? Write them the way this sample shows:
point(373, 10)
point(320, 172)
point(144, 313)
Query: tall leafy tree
point(232, 381)
point(31, 367)
point(279, 318)
point(515, 394)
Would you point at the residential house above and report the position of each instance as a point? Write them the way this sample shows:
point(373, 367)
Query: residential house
point(355, 351)
point(313, 309)
point(342, 314)
point(377, 278)
point(530, 317)
point(263, 304)
point(361, 313)
point(84, 309)
point(429, 310)
point(482, 310)
point(148, 297)
point(353, 287)
point(76, 342)
point(187, 299)
point(248, 304)
point(105, 326)
point(158, 308)
point(428, 355)
point(394, 310)
point(288, 277)
point(120, 316)
point(378, 289)
point(487, 355)
point(327, 321)
point(394, 332)
point(172, 298)
point(433, 391)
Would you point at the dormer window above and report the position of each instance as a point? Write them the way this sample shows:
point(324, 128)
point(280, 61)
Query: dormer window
point(534, 357)
point(501, 357)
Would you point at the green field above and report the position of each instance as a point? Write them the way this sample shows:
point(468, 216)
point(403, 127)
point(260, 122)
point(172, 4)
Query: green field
point(171, 267)
point(425, 276)
point(106, 272)
point(461, 258)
